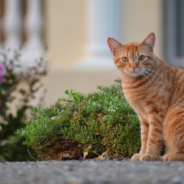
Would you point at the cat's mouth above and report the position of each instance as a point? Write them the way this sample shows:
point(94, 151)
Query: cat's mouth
point(135, 73)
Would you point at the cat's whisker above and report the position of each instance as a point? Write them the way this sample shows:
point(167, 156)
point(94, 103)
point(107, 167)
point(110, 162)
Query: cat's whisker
point(147, 79)
point(144, 78)
point(148, 76)
point(123, 73)
point(148, 71)
point(115, 74)
point(152, 75)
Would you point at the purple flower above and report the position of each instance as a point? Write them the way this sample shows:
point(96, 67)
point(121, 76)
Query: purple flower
point(1, 72)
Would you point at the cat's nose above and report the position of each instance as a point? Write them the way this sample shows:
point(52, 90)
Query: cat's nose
point(134, 67)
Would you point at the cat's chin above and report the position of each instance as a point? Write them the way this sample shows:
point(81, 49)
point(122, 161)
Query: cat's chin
point(134, 74)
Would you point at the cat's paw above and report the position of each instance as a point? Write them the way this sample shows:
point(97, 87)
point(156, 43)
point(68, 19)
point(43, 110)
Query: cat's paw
point(166, 157)
point(146, 157)
point(136, 157)
point(173, 157)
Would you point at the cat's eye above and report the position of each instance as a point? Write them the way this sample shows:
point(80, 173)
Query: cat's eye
point(125, 59)
point(141, 58)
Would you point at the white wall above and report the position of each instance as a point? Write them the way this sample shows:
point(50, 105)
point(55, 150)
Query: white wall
point(142, 17)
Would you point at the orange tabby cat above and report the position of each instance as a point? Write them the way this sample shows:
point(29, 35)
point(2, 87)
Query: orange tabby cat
point(155, 90)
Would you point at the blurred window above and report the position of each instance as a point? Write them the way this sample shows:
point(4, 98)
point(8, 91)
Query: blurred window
point(174, 32)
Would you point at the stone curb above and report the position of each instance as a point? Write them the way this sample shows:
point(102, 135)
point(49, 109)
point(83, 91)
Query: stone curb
point(88, 172)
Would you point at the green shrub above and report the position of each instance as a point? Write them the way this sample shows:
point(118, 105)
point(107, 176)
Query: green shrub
point(97, 122)
point(17, 90)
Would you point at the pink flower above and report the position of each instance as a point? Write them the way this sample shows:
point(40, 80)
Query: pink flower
point(1, 73)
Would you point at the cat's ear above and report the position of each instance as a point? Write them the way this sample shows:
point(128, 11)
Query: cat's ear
point(113, 45)
point(149, 41)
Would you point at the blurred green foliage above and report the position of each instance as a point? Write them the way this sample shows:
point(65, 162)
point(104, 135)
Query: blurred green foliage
point(17, 90)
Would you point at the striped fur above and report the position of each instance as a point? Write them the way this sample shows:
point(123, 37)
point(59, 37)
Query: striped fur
point(155, 90)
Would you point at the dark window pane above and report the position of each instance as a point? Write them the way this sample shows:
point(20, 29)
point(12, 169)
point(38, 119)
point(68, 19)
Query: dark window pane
point(179, 28)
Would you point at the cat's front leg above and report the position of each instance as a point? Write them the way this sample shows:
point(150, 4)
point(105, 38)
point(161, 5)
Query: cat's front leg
point(144, 138)
point(154, 143)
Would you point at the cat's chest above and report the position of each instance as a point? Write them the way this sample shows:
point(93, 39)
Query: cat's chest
point(137, 102)
point(144, 102)
point(134, 99)
point(137, 94)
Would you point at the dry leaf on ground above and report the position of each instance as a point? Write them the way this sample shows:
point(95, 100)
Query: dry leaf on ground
point(86, 152)
point(116, 156)
point(103, 156)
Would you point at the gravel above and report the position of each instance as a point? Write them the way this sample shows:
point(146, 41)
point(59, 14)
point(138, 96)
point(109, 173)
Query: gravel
point(90, 171)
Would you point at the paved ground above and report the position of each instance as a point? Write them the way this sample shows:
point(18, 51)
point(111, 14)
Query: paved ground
point(97, 172)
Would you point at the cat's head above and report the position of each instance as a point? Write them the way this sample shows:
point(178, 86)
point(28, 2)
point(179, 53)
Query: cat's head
point(134, 59)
